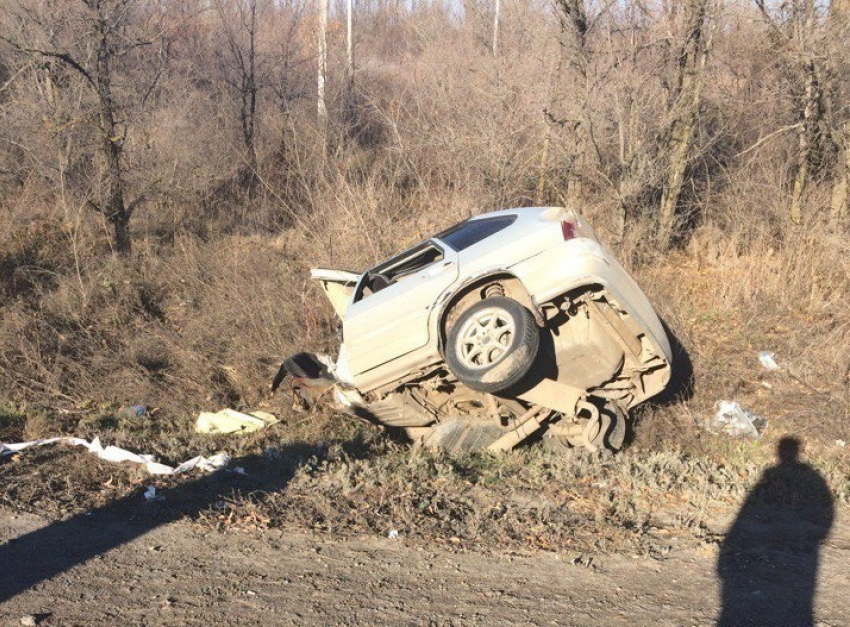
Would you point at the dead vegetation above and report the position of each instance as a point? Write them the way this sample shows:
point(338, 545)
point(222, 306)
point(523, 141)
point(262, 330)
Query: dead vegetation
point(234, 211)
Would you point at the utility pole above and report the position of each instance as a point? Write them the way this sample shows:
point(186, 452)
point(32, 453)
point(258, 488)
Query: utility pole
point(350, 39)
point(496, 20)
point(322, 106)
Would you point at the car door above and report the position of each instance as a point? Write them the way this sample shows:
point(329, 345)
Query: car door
point(338, 285)
point(393, 321)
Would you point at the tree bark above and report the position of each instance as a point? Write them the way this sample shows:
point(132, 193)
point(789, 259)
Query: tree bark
point(805, 140)
point(572, 15)
point(115, 208)
point(685, 109)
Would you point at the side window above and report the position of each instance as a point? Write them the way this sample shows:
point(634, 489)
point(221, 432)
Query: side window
point(398, 269)
point(462, 236)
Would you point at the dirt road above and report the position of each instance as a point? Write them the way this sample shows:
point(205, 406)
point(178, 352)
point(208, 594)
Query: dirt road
point(177, 574)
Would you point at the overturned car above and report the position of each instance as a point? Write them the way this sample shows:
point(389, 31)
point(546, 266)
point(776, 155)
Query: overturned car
point(509, 324)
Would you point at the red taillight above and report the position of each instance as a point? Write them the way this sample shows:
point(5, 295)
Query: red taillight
point(568, 228)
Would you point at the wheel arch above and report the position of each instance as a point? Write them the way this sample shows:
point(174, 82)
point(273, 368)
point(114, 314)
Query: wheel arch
point(477, 289)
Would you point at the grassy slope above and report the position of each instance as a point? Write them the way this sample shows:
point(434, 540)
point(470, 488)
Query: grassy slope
point(190, 330)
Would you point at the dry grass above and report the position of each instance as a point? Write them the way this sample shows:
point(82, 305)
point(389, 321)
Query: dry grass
point(194, 324)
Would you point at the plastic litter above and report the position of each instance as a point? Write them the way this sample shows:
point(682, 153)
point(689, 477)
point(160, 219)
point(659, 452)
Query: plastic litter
point(735, 421)
point(117, 455)
point(393, 534)
point(232, 421)
point(151, 494)
point(133, 411)
point(768, 360)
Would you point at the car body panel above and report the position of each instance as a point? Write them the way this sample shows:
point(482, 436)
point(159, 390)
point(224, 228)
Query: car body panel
point(393, 322)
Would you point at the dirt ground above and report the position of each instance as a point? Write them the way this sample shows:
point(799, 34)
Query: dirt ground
point(104, 569)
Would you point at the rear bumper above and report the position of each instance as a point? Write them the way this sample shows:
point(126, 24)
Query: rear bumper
point(583, 262)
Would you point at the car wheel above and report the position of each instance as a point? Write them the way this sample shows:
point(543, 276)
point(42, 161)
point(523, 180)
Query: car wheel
point(492, 344)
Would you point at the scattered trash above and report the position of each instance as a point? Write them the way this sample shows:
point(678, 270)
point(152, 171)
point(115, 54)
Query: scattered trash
point(29, 621)
point(768, 360)
point(840, 443)
point(151, 494)
point(393, 534)
point(134, 411)
point(206, 464)
point(735, 421)
point(232, 421)
point(239, 470)
point(117, 455)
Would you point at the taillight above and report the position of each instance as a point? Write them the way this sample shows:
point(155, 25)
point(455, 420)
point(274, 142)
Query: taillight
point(568, 228)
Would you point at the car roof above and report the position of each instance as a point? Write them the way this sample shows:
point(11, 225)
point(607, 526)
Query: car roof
point(522, 212)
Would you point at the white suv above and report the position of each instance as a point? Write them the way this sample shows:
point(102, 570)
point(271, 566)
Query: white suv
point(504, 325)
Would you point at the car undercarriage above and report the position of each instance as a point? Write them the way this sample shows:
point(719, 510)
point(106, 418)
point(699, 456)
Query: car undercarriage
point(591, 362)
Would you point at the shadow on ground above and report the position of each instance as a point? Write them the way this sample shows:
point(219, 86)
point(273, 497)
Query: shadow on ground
point(768, 564)
point(58, 547)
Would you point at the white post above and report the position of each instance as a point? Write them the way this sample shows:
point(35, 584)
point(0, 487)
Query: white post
point(350, 39)
point(323, 64)
point(496, 28)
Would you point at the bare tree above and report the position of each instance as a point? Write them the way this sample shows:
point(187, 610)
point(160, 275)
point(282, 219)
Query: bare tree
point(95, 41)
point(574, 61)
point(238, 19)
point(800, 37)
point(838, 33)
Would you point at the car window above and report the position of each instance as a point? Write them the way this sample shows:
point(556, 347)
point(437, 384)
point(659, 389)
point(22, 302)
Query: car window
point(398, 268)
point(463, 235)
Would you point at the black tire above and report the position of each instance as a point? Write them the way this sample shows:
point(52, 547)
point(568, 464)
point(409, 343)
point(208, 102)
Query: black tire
point(611, 436)
point(506, 348)
point(616, 436)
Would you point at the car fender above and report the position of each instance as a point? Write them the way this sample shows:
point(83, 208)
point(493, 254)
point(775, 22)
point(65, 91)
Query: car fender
point(480, 280)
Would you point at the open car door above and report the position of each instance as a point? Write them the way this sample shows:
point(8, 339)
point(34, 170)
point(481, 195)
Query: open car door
point(338, 286)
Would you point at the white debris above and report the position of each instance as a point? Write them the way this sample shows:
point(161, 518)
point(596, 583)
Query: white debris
point(232, 421)
point(117, 455)
point(735, 421)
point(840, 443)
point(151, 495)
point(768, 360)
point(393, 534)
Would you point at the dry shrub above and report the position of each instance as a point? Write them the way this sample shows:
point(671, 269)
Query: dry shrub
point(528, 499)
point(161, 331)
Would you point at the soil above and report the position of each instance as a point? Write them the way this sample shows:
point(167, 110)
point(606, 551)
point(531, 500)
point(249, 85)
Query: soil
point(114, 566)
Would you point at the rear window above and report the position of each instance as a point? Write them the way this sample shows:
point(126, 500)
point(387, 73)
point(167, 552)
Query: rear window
point(465, 234)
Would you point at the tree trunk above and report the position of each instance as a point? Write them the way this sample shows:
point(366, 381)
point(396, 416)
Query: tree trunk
point(839, 23)
point(114, 208)
point(806, 140)
point(692, 58)
point(572, 15)
point(249, 102)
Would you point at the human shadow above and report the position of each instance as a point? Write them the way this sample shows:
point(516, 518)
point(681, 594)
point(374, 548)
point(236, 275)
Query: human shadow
point(768, 563)
point(54, 549)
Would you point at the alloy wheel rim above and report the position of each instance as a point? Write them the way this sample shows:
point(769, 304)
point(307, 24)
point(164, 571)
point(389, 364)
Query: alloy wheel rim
point(485, 338)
